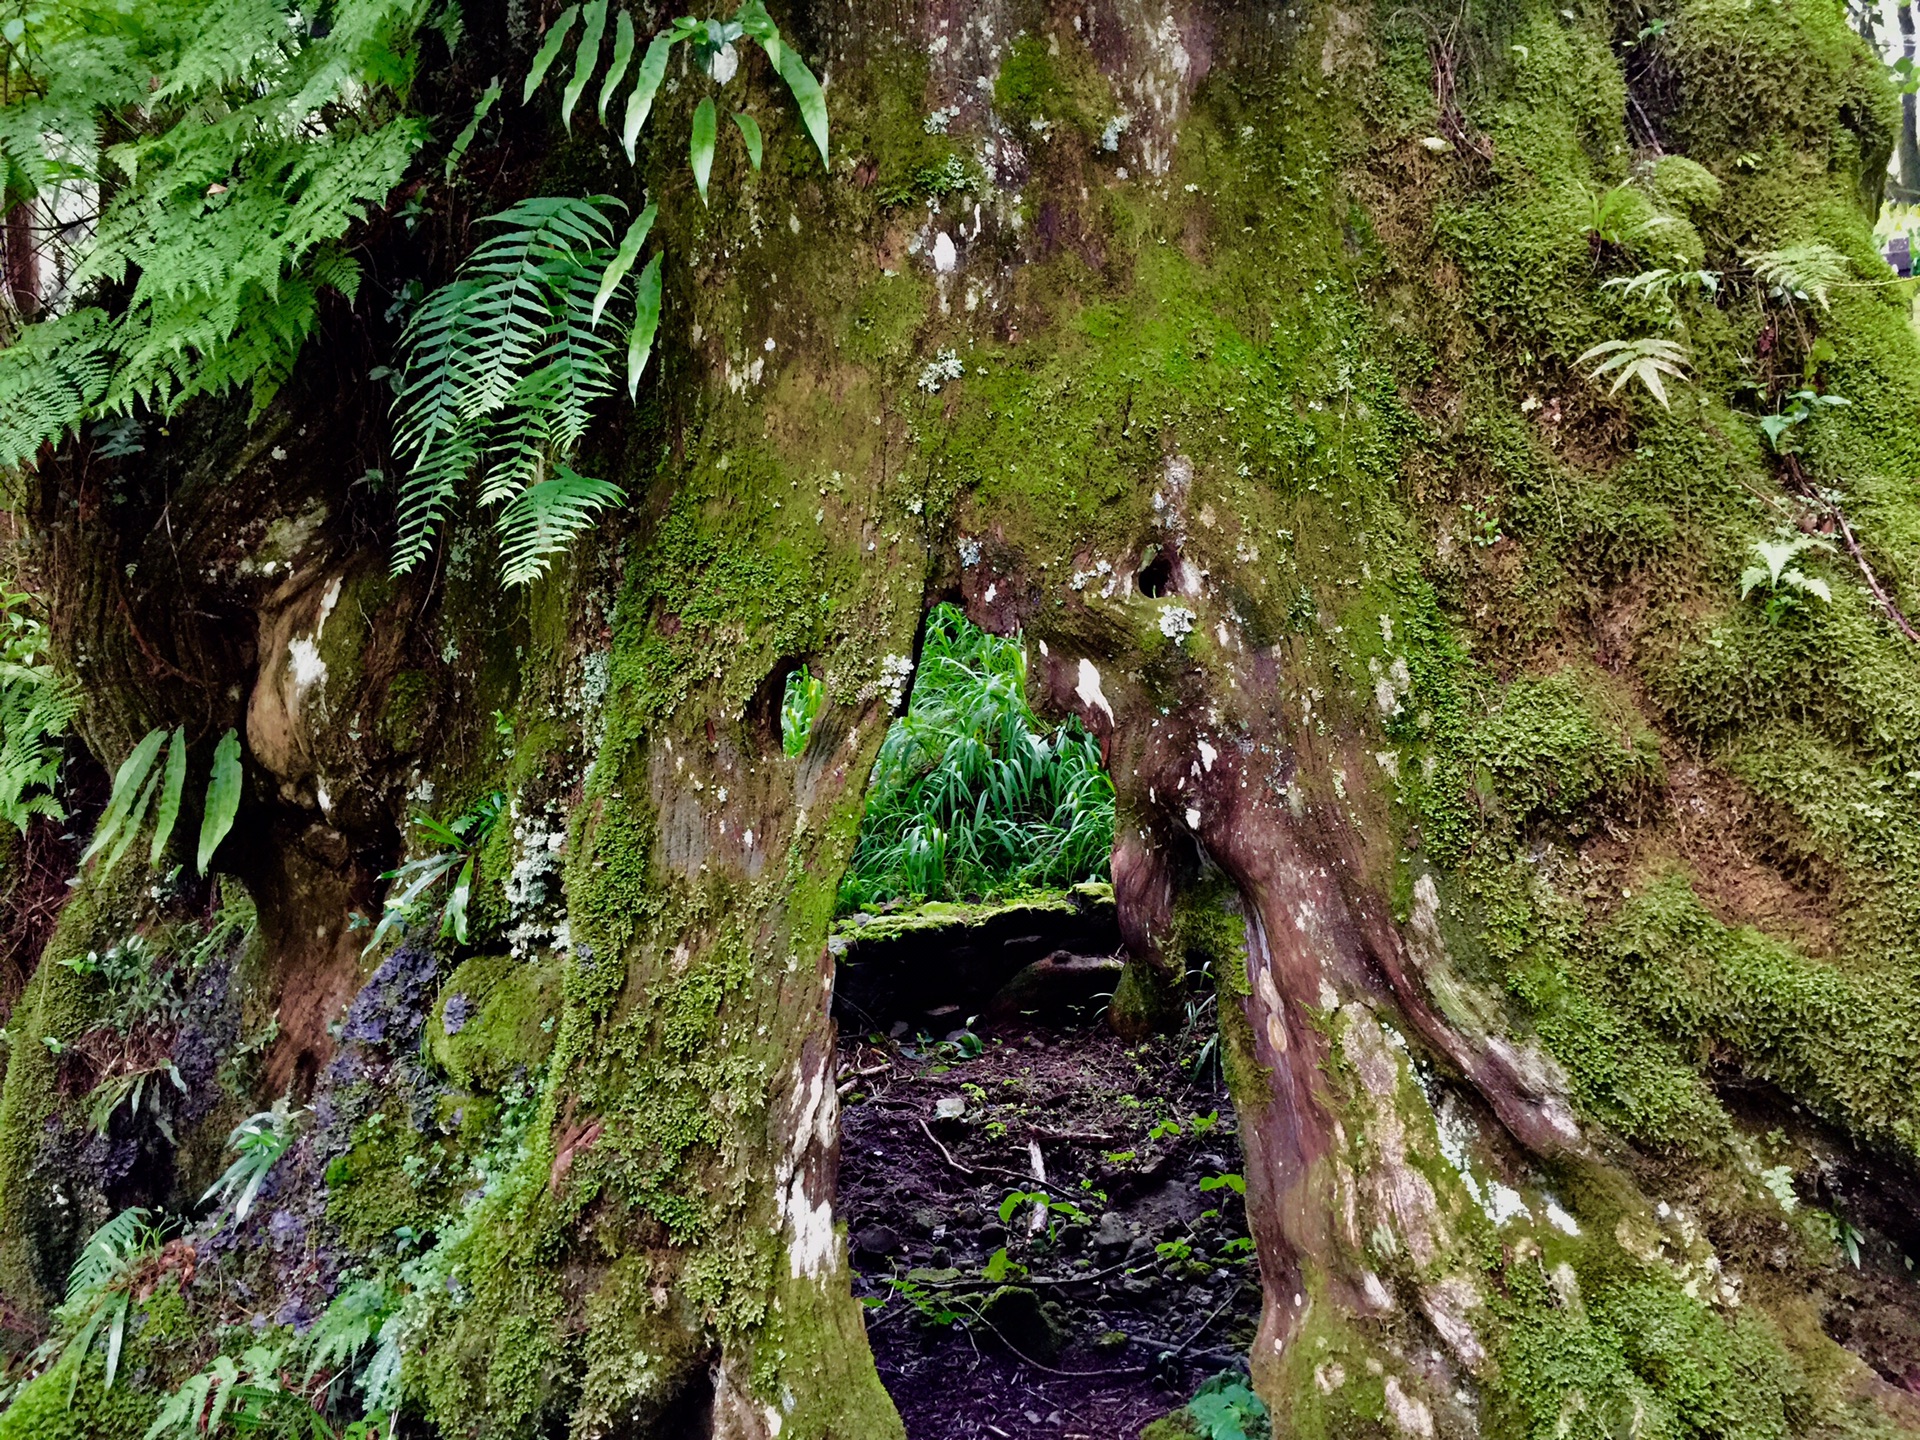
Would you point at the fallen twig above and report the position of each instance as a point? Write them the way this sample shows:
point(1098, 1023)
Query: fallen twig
point(1873, 581)
point(1014, 1175)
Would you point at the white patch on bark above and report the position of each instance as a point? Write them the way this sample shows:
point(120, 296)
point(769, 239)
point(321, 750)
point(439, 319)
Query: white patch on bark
point(1208, 755)
point(1409, 1412)
point(1448, 1305)
point(1403, 1197)
point(303, 652)
point(945, 257)
point(1561, 1220)
point(808, 1218)
point(1088, 689)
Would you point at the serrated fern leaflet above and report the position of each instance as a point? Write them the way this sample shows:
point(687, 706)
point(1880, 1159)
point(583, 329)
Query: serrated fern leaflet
point(503, 367)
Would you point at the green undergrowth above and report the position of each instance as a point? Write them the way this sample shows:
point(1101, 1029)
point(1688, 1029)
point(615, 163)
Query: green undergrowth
point(971, 797)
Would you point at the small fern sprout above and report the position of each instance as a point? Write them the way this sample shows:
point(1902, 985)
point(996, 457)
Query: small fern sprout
point(260, 1140)
point(1645, 360)
point(1784, 581)
point(1810, 271)
point(1663, 286)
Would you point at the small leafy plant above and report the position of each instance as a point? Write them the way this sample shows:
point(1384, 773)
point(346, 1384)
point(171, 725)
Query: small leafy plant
point(461, 840)
point(1646, 360)
point(100, 1289)
point(1796, 410)
point(129, 1088)
point(799, 708)
point(1225, 1408)
point(1664, 287)
point(36, 709)
point(1783, 580)
point(259, 1141)
point(1807, 273)
point(146, 785)
point(1046, 1202)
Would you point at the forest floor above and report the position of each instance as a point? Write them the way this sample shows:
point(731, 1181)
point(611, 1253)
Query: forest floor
point(991, 1316)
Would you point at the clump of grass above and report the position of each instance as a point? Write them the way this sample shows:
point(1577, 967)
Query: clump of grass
point(971, 797)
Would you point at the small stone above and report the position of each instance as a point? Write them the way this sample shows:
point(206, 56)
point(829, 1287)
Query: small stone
point(1017, 1315)
point(949, 1107)
point(993, 1234)
point(875, 1242)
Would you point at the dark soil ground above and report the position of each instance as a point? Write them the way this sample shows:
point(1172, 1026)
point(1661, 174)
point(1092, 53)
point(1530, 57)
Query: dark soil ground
point(1136, 1285)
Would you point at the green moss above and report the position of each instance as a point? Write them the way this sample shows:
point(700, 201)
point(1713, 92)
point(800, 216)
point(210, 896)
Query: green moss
point(937, 917)
point(1051, 79)
point(1555, 744)
point(1633, 1353)
point(508, 1011)
point(405, 711)
point(42, 1410)
point(1847, 1044)
point(370, 1192)
point(37, 1223)
point(1686, 185)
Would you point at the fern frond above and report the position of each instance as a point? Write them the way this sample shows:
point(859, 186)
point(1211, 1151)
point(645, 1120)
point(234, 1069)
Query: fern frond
point(504, 365)
point(50, 378)
point(543, 520)
point(348, 1325)
point(251, 138)
point(1808, 271)
point(108, 1252)
point(1645, 360)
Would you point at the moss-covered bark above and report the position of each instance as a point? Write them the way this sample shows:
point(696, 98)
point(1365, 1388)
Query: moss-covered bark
point(1230, 353)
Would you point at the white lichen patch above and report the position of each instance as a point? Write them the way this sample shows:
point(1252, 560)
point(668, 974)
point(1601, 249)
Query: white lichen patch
point(1087, 687)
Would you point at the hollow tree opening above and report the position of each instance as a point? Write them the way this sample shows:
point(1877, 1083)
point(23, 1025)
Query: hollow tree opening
point(1041, 1213)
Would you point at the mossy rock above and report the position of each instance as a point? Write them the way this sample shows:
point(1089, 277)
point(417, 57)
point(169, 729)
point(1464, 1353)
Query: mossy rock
point(494, 1018)
point(1177, 1426)
point(1685, 184)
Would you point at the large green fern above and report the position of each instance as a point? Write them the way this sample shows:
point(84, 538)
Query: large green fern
point(505, 362)
point(234, 143)
point(503, 367)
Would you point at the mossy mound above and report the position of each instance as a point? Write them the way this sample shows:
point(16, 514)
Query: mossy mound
point(495, 1019)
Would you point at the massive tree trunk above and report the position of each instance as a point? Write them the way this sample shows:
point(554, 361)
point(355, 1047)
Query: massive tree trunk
point(1229, 353)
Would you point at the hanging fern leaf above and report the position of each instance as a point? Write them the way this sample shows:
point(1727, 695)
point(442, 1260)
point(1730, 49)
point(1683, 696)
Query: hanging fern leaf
point(623, 259)
point(171, 791)
point(549, 51)
point(646, 321)
point(700, 144)
point(749, 132)
point(504, 367)
point(223, 797)
point(653, 69)
point(586, 61)
point(542, 520)
point(120, 816)
point(806, 94)
point(482, 108)
point(622, 57)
